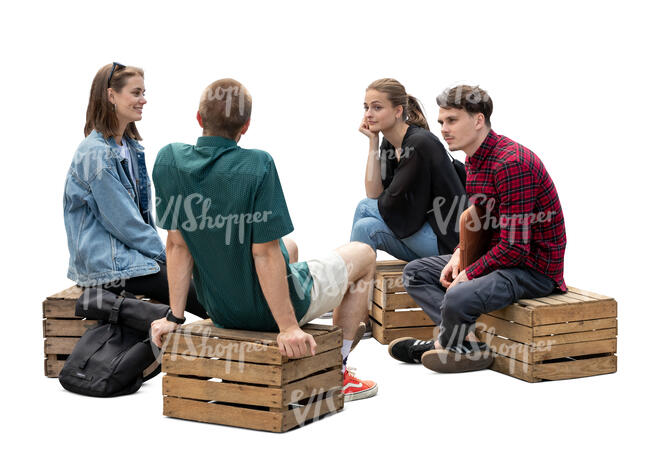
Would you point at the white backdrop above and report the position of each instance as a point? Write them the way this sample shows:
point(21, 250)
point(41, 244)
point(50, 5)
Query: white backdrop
point(568, 80)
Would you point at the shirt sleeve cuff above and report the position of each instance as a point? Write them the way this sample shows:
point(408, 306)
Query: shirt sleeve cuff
point(475, 270)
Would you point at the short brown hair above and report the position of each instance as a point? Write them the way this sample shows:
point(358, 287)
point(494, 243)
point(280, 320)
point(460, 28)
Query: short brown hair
point(100, 114)
point(412, 110)
point(472, 99)
point(221, 114)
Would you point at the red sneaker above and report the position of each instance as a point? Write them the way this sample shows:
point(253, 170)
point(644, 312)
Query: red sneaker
point(355, 389)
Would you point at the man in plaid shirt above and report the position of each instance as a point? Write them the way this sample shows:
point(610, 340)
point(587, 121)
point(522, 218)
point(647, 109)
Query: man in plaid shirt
point(526, 254)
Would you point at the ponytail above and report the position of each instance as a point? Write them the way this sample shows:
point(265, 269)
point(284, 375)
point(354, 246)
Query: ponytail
point(414, 114)
point(397, 95)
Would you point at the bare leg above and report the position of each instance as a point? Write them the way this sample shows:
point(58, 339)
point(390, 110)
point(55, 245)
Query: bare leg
point(360, 261)
point(292, 249)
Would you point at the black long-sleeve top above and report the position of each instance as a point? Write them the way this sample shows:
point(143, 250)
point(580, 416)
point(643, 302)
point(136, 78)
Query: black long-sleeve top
point(421, 187)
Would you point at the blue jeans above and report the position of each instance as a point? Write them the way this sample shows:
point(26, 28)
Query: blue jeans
point(368, 227)
point(456, 310)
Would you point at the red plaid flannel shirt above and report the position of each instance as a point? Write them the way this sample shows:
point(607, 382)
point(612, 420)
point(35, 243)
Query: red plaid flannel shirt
point(511, 182)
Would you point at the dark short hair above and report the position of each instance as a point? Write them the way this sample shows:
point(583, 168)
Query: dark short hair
point(472, 99)
point(225, 108)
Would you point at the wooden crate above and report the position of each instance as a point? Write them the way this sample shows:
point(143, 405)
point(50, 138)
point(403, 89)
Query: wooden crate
point(239, 378)
point(561, 336)
point(61, 328)
point(394, 314)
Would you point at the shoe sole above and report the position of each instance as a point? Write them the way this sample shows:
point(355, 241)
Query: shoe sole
point(447, 362)
point(393, 343)
point(361, 395)
point(361, 330)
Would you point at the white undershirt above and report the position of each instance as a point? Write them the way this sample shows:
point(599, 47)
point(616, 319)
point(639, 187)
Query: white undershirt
point(126, 153)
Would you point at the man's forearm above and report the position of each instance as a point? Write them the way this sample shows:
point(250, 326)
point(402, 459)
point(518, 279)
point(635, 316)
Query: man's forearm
point(272, 274)
point(179, 276)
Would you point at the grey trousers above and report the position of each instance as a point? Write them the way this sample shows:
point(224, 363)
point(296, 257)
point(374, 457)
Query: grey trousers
point(456, 310)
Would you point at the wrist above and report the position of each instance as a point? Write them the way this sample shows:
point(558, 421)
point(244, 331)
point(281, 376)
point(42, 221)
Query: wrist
point(288, 327)
point(174, 317)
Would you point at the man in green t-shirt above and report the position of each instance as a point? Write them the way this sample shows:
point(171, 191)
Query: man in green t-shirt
point(226, 216)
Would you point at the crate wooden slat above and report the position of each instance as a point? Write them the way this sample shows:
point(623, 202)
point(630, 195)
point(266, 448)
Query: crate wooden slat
point(561, 336)
point(394, 313)
point(239, 378)
point(386, 335)
point(61, 328)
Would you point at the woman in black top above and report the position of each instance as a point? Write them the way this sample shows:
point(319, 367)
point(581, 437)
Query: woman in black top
point(414, 195)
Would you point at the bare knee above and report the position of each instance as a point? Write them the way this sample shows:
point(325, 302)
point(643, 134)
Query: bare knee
point(359, 259)
point(292, 249)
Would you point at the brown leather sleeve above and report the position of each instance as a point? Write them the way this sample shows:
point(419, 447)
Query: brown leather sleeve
point(474, 239)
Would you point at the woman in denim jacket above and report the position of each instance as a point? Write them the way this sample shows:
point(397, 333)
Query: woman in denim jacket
point(111, 232)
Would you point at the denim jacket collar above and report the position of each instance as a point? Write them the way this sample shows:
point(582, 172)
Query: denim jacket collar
point(132, 143)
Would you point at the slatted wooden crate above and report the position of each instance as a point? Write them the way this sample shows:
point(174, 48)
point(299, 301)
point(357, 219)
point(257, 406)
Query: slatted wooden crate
point(562, 336)
point(239, 378)
point(61, 328)
point(394, 313)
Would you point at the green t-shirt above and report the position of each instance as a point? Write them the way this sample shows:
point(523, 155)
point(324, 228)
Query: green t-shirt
point(223, 199)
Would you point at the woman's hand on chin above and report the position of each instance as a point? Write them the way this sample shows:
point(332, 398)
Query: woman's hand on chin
point(365, 129)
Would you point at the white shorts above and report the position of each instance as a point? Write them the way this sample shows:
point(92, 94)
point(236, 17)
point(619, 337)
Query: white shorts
point(330, 283)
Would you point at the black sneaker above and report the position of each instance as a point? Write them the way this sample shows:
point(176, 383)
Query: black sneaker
point(409, 349)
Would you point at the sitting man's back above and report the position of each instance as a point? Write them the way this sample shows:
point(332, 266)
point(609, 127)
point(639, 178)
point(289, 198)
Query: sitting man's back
point(225, 215)
point(225, 198)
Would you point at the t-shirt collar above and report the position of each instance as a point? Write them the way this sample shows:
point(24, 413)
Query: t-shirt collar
point(215, 141)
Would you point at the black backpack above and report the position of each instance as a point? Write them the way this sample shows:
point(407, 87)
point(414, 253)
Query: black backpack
point(115, 357)
point(459, 167)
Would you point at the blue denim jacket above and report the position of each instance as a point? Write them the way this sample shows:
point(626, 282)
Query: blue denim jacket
point(108, 216)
